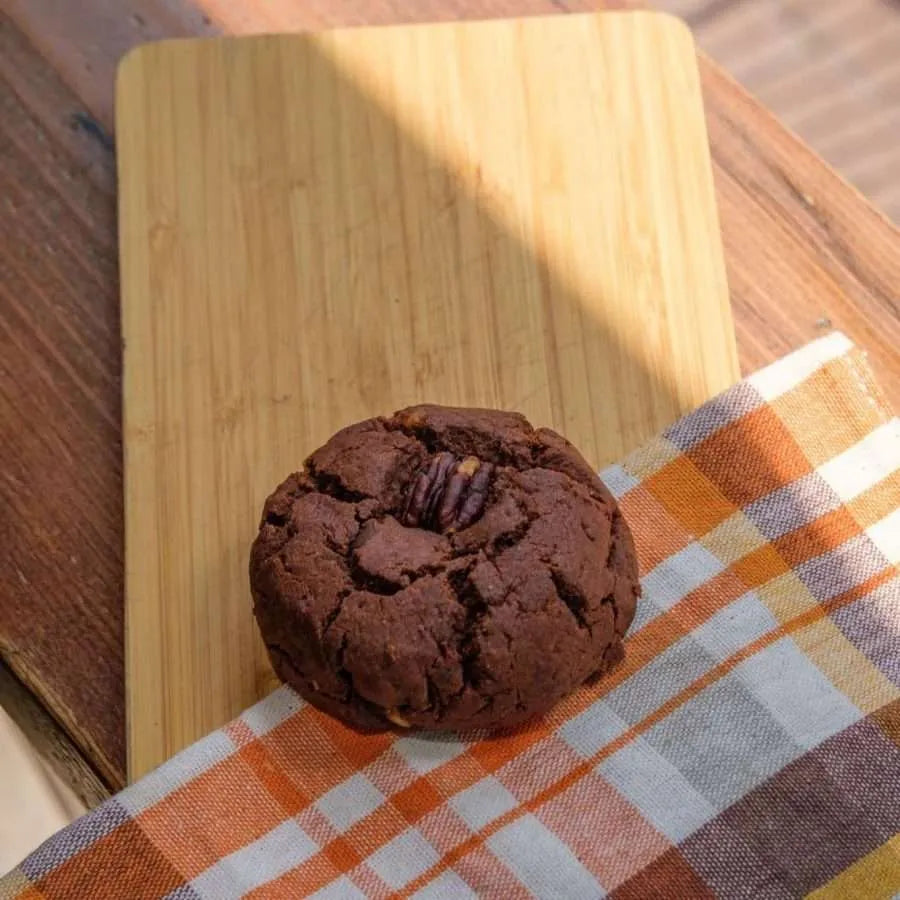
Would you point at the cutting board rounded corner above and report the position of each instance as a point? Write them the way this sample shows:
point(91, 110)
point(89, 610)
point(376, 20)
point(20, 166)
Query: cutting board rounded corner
point(668, 21)
point(135, 59)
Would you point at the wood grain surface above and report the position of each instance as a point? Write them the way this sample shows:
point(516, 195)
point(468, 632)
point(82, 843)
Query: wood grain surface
point(827, 68)
point(804, 251)
point(316, 229)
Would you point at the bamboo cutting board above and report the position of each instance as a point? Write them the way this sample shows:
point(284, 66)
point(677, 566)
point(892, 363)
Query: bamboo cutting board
point(318, 228)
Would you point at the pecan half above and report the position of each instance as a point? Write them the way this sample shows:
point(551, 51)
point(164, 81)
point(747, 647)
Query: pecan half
point(449, 494)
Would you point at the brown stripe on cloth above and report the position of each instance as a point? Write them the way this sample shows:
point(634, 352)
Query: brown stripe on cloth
point(142, 869)
point(668, 876)
point(810, 821)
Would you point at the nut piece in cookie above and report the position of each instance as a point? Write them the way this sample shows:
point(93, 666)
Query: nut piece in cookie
point(449, 494)
point(442, 568)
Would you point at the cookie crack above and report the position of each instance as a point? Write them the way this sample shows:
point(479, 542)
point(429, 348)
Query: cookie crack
point(488, 449)
point(294, 492)
point(331, 484)
point(476, 608)
point(615, 532)
point(425, 437)
point(573, 599)
point(334, 612)
point(341, 669)
point(617, 521)
point(366, 581)
point(610, 599)
point(513, 536)
point(433, 695)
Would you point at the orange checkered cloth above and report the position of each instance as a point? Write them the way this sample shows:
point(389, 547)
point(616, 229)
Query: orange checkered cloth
point(748, 746)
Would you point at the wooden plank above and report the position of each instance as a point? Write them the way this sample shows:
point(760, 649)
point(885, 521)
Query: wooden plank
point(838, 264)
point(92, 38)
point(317, 229)
point(829, 71)
point(53, 747)
point(805, 252)
point(87, 40)
point(61, 527)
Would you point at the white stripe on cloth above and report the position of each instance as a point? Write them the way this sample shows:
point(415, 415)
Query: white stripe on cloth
point(863, 465)
point(885, 535)
point(276, 852)
point(618, 480)
point(483, 802)
point(542, 862)
point(351, 800)
point(179, 770)
point(659, 791)
point(340, 889)
point(447, 886)
point(279, 706)
point(796, 693)
point(404, 858)
point(673, 579)
point(787, 373)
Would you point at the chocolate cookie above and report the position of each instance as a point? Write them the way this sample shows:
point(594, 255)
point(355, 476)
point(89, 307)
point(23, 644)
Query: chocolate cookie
point(442, 568)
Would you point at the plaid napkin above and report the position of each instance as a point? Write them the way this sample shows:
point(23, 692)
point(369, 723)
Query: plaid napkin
point(748, 746)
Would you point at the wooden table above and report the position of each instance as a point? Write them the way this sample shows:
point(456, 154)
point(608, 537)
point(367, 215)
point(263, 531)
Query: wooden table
point(805, 253)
